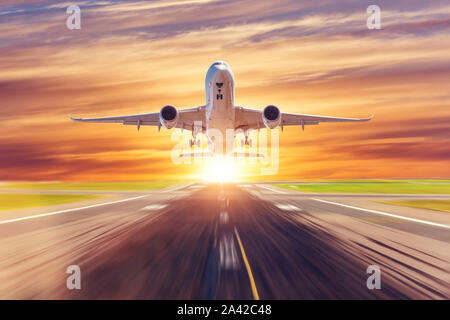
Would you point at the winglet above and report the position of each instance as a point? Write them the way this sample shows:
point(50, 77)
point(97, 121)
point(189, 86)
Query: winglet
point(74, 119)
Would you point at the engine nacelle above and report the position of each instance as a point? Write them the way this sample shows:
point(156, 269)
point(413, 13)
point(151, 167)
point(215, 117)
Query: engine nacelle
point(168, 116)
point(271, 117)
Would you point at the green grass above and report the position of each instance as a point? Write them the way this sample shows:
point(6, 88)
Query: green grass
point(399, 187)
point(373, 180)
point(86, 186)
point(15, 201)
point(437, 205)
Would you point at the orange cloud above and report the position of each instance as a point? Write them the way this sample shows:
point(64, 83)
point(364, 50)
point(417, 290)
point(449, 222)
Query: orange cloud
point(134, 57)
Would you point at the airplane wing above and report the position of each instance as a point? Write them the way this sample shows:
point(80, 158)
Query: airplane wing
point(186, 119)
point(252, 119)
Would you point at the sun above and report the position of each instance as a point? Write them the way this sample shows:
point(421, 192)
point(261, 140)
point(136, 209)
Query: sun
point(220, 169)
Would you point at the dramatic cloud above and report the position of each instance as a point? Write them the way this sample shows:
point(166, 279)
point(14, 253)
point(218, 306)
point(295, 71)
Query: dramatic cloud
point(307, 57)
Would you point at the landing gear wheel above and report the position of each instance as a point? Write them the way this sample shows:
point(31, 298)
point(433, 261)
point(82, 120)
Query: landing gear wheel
point(248, 142)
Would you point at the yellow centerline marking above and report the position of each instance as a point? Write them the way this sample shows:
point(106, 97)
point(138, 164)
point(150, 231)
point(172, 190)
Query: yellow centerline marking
point(247, 266)
point(215, 234)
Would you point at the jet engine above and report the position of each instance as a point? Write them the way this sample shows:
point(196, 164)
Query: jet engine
point(271, 116)
point(168, 116)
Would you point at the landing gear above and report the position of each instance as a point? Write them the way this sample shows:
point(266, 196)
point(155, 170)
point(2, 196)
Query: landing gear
point(196, 129)
point(195, 142)
point(246, 142)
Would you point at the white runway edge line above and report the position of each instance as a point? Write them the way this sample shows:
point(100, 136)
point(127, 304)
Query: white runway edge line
point(273, 190)
point(386, 214)
point(176, 188)
point(70, 210)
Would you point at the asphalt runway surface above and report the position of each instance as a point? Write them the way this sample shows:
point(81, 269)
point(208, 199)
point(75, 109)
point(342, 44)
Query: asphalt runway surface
point(226, 241)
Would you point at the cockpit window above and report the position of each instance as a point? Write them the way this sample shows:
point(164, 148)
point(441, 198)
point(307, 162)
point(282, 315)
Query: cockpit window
point(220, 62)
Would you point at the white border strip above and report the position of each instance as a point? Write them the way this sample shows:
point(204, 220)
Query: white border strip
point(386, 214)
point(69, 210)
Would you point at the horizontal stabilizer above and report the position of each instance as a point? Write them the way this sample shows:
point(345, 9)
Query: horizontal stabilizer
point(196, 155)
point(248, 155)
point(210, 154)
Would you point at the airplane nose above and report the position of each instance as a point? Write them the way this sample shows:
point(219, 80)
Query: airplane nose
point(223, 74)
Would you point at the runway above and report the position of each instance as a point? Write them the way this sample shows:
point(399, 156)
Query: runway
point(226, 241)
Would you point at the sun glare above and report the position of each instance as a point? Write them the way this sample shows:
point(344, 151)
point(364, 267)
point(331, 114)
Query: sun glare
point(220, 169)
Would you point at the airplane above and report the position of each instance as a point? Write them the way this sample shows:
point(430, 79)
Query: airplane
point(220, 119)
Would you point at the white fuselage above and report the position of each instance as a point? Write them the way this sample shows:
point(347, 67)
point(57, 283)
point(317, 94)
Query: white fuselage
point(220, 112)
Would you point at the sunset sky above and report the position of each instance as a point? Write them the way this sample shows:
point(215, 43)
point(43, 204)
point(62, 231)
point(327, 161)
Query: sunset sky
point(315, 57)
